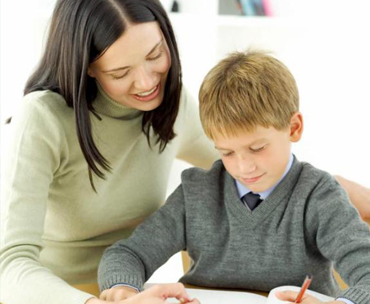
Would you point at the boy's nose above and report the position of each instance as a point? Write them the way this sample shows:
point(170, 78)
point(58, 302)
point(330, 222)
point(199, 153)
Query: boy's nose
point(247, 166)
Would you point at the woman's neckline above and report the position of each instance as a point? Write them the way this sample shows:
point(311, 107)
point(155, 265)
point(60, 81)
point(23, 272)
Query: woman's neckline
point(105, 105)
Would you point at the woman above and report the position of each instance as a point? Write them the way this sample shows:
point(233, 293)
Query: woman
point(103, 118)
point(93, 144)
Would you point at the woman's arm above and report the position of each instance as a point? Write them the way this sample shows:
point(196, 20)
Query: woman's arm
point(32, 157)
point(358, 195)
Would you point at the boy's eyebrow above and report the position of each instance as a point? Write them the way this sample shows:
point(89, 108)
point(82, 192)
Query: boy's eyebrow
point(261, 140)
point(126, 67)
point(218, 148)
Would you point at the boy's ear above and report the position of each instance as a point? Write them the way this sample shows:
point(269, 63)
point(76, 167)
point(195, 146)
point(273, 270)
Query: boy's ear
point(296, 127)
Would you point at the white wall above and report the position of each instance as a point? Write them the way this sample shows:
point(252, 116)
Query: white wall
point(328, 53)
point(323, 42)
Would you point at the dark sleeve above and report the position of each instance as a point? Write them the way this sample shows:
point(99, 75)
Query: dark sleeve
point(342, 237)
point(132, 261)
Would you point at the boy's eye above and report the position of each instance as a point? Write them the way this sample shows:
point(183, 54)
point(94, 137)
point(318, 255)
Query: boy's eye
point(227, 154)
point(257, 149)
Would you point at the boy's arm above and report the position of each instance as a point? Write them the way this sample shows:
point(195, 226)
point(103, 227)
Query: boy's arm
point(341, 237)
point(132, 261)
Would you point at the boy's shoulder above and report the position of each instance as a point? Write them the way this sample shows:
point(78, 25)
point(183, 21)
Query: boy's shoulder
point(316, 184)
point(313, 176)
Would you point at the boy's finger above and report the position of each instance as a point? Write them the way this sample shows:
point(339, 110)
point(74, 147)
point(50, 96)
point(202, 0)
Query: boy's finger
point(286, 295)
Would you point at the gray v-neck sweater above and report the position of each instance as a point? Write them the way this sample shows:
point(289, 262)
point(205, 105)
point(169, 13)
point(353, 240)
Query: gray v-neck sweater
point(304, 226)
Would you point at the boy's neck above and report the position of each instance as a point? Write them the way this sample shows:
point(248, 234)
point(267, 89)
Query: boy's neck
point(242, 190)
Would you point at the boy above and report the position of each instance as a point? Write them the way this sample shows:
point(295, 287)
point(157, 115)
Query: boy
point(258, 218)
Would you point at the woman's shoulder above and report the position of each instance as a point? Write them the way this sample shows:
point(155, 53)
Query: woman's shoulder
point(44, 105)
point(43, 110)
point(45, 100)
point(188, 108)
point(187, 98)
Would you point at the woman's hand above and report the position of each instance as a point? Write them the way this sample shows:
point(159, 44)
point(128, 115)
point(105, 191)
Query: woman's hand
point(290, 296)
point(118, 293)
point(157, 294)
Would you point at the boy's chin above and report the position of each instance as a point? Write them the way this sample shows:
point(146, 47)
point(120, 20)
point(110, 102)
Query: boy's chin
point(257, 187)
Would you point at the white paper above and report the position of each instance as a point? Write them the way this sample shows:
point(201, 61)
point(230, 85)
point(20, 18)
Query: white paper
point(242, 297)
point(225, 297)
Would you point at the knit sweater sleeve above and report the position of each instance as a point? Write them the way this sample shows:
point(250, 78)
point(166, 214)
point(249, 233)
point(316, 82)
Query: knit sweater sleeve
point(132, 261)
point(340, 235)
point(34, 155)
point(195, 148)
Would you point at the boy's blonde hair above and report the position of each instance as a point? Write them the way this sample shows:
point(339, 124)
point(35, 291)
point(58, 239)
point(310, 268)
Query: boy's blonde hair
point(246, 90)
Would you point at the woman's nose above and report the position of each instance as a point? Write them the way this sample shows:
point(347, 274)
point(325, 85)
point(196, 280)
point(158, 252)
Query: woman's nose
point(145, 79)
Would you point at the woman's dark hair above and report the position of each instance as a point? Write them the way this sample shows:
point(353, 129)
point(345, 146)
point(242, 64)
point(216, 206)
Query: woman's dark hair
point(80, 32)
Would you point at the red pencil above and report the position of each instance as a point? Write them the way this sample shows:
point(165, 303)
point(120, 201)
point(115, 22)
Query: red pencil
point(304, 287)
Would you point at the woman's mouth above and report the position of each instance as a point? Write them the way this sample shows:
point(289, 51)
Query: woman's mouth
point(148, 95)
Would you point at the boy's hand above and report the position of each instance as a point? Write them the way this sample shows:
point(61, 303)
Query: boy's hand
point(118, 293)
point(290, 297)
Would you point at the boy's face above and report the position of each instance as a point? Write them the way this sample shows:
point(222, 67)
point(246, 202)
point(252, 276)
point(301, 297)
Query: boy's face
point(258, 159)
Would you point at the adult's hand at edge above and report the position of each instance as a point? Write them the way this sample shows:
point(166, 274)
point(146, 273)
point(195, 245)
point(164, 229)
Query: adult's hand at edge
point(157, 294)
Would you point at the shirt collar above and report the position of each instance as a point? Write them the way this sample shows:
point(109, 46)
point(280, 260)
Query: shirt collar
point(243, 190)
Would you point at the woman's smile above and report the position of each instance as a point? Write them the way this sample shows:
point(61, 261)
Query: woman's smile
point(149, 95)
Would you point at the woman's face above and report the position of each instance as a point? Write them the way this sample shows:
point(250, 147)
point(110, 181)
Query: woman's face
point(133, 70)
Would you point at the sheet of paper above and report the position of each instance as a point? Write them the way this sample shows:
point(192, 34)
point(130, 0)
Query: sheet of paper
point(225, 297)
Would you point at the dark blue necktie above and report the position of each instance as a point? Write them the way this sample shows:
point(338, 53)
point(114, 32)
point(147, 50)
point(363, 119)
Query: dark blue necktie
point(252, 200)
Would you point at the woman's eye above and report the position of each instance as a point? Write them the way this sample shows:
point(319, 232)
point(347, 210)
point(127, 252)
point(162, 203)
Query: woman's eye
point(156, 57)
point(115, 77)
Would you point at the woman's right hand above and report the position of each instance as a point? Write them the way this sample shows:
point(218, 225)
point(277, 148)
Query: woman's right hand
point(157, 294)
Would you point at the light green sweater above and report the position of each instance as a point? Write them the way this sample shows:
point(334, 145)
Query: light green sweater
point(54, 226)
